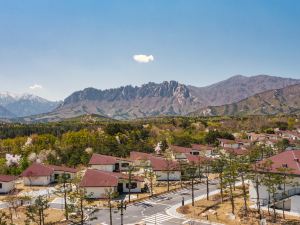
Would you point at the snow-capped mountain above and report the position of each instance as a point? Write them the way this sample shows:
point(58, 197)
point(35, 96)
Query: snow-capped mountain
point(21, 105)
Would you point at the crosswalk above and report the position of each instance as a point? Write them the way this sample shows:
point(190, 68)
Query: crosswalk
point(158, 218)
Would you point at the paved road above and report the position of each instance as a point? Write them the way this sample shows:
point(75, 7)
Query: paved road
point(153, 210)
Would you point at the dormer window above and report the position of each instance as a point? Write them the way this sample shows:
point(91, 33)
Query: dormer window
point(285, 165)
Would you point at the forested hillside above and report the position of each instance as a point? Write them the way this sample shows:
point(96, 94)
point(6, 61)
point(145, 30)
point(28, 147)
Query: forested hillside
point(72, 142)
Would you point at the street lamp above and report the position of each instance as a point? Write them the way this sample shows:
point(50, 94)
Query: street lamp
point(122, 206)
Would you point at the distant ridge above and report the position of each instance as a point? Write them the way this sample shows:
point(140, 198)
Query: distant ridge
point(279, 101)
point(166, 98)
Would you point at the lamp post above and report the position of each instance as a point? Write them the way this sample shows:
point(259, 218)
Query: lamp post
point(122, 207)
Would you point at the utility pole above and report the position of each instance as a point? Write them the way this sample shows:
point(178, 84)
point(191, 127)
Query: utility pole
point(122, 207)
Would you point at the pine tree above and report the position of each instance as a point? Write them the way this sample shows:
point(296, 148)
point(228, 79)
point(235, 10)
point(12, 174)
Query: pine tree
point(243, 167)
point(64, 189)
point(79, 203)
point(286, 179)
point(36, 213)
point(218, 167)
point(191, 172)
point(230, 178)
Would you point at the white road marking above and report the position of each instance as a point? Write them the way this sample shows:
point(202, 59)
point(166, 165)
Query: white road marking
point(157, 218)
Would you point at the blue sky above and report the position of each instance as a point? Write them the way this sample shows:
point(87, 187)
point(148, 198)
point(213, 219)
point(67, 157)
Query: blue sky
point(60, 46)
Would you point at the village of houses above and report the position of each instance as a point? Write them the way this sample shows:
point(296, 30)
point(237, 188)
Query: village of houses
point(131, 175)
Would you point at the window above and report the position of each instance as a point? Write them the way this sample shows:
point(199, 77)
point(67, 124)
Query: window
point(0, 185)
point(133, 185)
point(195, 153)
point(124, 164)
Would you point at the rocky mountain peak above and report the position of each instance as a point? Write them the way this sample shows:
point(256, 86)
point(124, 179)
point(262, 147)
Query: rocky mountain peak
point(172, 98)
point(164, 89)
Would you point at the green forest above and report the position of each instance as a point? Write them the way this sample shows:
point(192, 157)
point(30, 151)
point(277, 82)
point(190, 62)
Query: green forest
point(71, 143)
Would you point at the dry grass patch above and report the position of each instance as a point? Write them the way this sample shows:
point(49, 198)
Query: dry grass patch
point(215, 211)
point(55, 216)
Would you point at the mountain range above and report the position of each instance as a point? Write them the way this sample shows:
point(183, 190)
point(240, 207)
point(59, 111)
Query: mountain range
point(273, 102)
point(169, 98)
point(14, 105)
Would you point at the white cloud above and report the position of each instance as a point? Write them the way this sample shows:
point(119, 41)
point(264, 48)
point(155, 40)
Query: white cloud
point(36, 87)
point(143, 58)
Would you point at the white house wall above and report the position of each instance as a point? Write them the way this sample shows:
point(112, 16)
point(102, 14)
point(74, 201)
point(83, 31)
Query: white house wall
point(180, 156)
point(7, 187)
point(109, 168)
point(38, 181)
point(163, 175)
point(295, 204)
point(98, 192)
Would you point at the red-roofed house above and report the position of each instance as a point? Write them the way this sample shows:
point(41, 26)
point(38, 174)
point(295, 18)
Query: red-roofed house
point(291, 161)
point(165, 169)
point(179, 152)
point(108, 163)
point(235, 151)
point(256, 137)
point(196, 160)
point(42, 175)
point(140, 159)
point(291, 135)
point(227, 143)
point(96, 183)
point(204, 150)
point(7, 183)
